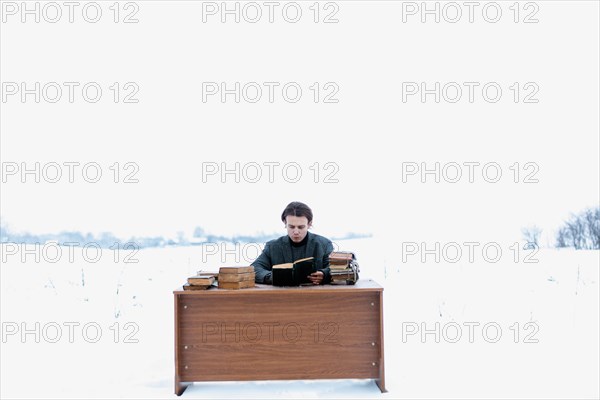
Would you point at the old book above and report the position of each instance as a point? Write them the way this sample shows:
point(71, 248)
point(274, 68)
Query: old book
point(187, 286)
point(207, 273)
point(201, 280)
point(339, 266)
point(293, 274)
point(342, 275)
point(343, 255)
point(235, 270)
point(246, 276)
point(340, 257)
point(236, 285)
point(282, 274)
point(338, 261)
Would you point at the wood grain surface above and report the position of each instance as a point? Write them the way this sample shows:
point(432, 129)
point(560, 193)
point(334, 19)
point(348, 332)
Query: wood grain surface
point(266, 333)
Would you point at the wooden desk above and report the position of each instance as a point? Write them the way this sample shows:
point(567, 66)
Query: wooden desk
point(274, 333)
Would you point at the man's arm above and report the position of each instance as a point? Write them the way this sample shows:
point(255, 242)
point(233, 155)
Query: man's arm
point(325, 269)
point(263, 266)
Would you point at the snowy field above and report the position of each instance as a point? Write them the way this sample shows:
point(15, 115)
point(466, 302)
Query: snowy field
point(504, 329)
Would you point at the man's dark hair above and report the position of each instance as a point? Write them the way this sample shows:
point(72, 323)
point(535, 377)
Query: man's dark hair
point(297, 209)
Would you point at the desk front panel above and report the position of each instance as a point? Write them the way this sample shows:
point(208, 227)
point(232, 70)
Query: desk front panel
point(279, 335)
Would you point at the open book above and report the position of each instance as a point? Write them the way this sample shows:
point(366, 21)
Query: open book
point(293, 274)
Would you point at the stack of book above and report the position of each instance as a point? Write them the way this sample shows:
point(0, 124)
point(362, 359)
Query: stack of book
point(236, 277)
point(200, 281)
point(340, 259)
point(343, 267)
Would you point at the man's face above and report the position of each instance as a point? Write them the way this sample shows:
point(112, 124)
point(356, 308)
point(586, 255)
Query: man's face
point(297, 227)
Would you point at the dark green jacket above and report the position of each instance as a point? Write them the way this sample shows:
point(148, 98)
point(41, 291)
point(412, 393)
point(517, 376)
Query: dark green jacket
point(279, 251)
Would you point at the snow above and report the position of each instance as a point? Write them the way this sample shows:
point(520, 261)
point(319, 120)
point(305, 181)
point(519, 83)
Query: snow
point(554, 302)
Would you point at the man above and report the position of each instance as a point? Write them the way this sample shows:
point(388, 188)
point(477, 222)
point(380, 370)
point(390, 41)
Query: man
point(299, 243)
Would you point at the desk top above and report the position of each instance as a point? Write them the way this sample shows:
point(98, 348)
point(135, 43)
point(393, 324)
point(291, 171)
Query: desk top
point(362, 284)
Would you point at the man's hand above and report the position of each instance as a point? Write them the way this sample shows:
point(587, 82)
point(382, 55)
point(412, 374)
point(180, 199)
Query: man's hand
point(316, 277)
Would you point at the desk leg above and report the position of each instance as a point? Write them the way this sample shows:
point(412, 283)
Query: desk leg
point(381, 384)
point(180, 387)
point(381, 380)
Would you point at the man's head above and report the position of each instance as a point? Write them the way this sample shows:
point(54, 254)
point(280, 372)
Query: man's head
point(297, 218)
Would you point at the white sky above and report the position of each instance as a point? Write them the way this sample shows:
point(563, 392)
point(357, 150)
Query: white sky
point(368, 134)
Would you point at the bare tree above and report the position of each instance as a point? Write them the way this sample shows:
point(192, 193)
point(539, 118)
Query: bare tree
point(592, 220)
point(531, 235)
point(581, 231)
point(563, 238)
point(577, 231)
